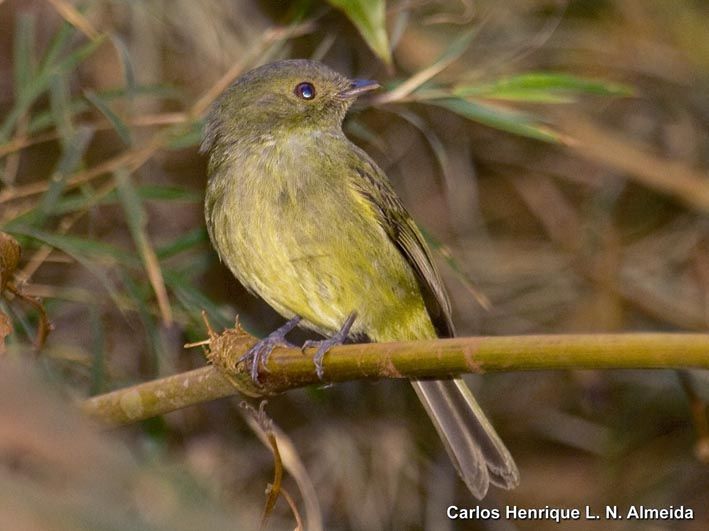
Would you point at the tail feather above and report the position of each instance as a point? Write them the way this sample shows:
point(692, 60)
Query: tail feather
point(477, 451)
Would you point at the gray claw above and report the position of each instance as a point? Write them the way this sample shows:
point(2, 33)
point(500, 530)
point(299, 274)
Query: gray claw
point(326, 344)
point(259, 353)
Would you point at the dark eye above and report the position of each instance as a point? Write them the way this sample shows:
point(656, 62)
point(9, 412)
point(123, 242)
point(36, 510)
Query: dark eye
point(305, 90)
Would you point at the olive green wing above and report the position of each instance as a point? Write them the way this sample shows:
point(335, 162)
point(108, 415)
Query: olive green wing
point(373, 186)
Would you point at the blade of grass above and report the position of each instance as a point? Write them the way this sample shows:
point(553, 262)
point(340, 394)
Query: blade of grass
point(56, 46)
point(136, 219)
point(184, 243)
point(142, 304)
point(43, 119)
point(23, 72)
point(435, 143)
point(504, 119)
point(452, 53)
point(119, 126)
point(131, 159)
point(71, 158)
point(189, 135)
point(40, 84)
point(63, 227)
point(194, 301)
point(131, 85)
point(82, 250)
point(159, 192)
point(96, 250)
point(542, 87)
point(74, 17)
point(134, 158)
point(147, 192)
point(443, 250)
point(24, 61)
point(60, 108)
point(77, 57)
point(369, 17)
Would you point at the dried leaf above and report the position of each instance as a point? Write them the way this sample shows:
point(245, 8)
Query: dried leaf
point(9, 258)
point(5, 330)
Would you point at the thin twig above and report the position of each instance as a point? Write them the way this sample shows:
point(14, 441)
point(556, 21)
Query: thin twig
point(270, 435)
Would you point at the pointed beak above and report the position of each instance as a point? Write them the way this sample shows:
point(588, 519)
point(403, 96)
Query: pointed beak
point(358, 87)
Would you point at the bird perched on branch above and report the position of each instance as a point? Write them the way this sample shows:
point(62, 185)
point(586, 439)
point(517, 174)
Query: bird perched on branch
point(307, 220)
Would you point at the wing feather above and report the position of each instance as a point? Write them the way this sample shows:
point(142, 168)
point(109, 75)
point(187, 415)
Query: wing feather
point(373, 186)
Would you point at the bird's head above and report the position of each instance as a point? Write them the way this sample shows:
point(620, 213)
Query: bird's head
point(289, 95)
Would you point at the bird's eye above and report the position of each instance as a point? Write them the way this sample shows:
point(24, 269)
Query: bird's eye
point(305, 90)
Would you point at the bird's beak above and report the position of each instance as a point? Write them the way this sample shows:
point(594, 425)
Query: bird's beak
point(358, 87)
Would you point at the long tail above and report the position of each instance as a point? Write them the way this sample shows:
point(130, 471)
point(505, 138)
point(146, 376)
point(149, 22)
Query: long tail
point(477, 451)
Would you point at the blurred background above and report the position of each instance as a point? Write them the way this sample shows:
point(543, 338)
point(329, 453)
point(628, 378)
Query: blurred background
point(554, 152)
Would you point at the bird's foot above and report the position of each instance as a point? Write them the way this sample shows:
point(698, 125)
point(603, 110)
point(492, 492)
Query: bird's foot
point(324, 345)
point(258, 354)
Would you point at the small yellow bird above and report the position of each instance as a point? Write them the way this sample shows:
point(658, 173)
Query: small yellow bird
point(307, 220)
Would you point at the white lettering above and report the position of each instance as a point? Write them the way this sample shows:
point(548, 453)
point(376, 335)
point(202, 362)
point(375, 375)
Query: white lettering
point(612, 513)
point(556, 514)
point(472, 513)
point(665, 513)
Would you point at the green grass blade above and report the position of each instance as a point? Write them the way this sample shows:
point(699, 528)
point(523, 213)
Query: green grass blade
point(136, 219)
point(75, 203)
point(194, 301)
point(369, 17)
point(186, 242)
point(40, 84)
point(451, 54)
point(434, 142)
point(128, 70)
point(24, 52)
point(77, 147)
point(542, 87)
point(60, 107)
point(442, 250)
point(159, 192)
point(119, 126)
point(142, 304)
point(44, 119)
point(99, 251)
point(186, 135)
point(504, 119)
point(77, 57)
point(70, 160)
point(84, 251)
point(57, 45)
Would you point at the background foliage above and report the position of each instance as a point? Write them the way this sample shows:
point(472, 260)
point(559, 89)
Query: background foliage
point(555, 153)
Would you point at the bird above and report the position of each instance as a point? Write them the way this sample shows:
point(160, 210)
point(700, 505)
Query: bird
point(307, 220)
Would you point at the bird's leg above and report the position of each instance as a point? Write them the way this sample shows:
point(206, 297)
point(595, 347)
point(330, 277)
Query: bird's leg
point(259, 353)
point(326, 344)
